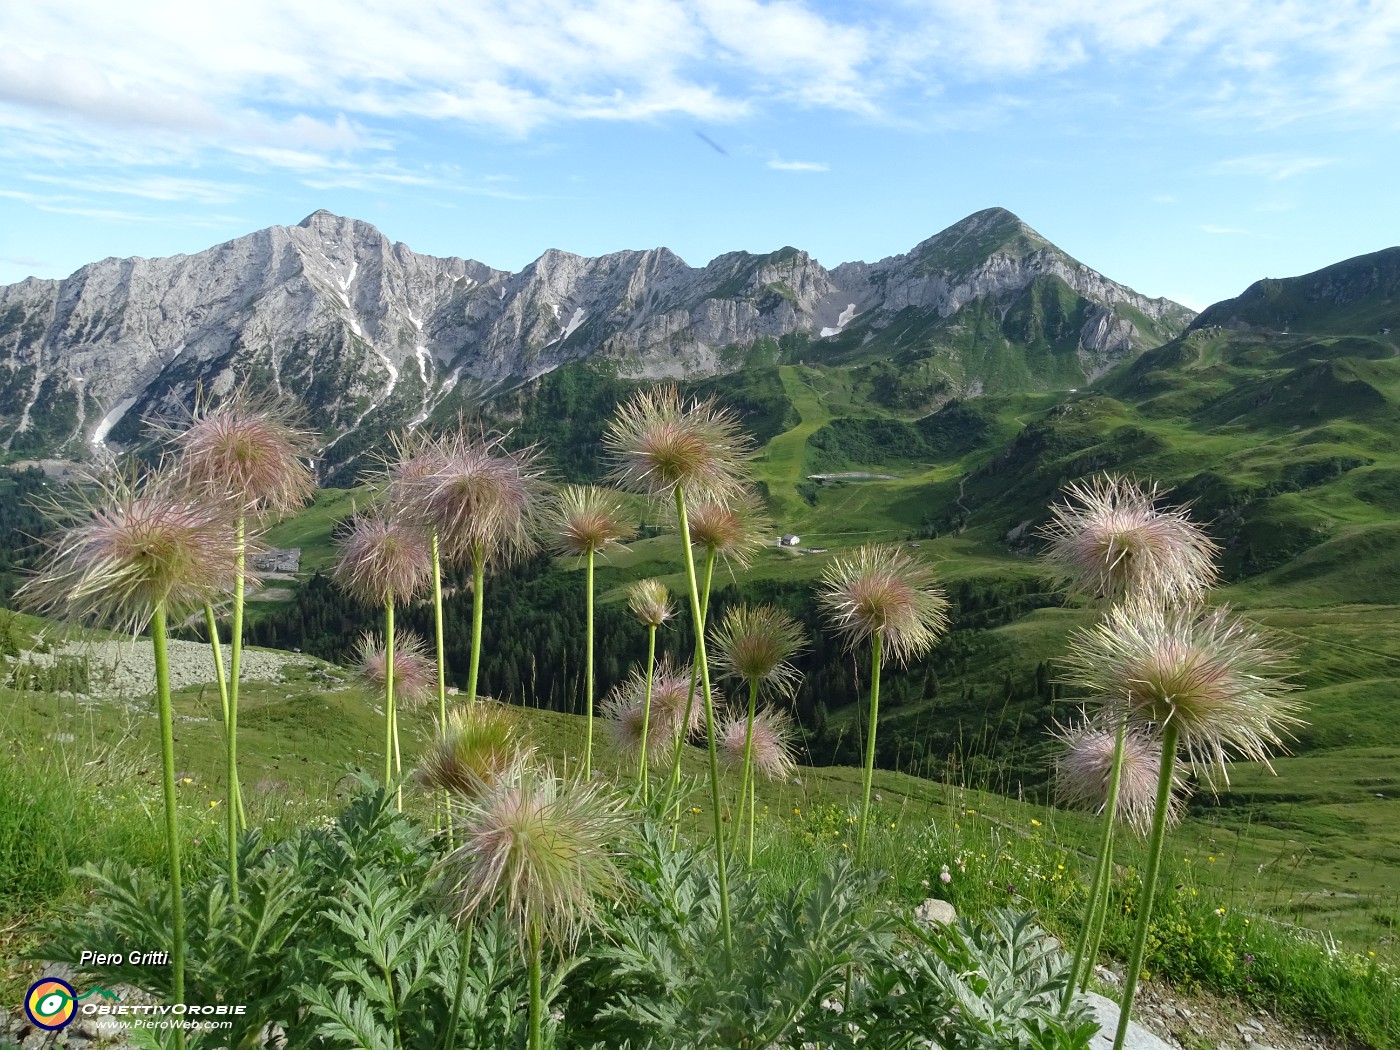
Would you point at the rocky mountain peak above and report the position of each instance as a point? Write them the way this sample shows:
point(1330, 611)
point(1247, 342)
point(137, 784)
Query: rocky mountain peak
point(372, 335)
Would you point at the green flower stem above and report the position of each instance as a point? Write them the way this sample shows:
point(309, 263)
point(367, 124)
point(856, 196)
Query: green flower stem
point(1100, 918)
point(478, 603)
point(172, 831)
point(675, 778)
point(588, 668)
point(698, 616)
point(1103, 872)
point(536, 1000)
point(745, 780)
point(219, 674)
point(875, 654)
point(445, 814)
point(394, 1010)
point(753, 813)
point(646, 707)
point(464, 955)
point(437, 630)
point(1149, 881)
point(389, 691)
point(235, 794)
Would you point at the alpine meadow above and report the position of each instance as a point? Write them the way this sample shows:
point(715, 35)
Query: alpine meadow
point(957, 650)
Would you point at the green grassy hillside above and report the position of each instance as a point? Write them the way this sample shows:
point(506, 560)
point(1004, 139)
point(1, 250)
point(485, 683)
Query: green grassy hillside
point(1277, 417)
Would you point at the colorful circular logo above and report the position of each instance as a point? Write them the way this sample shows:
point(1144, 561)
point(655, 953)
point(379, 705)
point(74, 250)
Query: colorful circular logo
point(51, 1004)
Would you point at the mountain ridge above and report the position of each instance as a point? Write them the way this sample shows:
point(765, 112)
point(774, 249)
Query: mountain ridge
point(371, 334)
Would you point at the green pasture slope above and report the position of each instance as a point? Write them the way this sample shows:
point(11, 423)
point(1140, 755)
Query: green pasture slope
point(1277, 415)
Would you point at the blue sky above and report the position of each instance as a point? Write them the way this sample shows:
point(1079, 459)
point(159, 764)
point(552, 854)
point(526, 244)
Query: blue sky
point(1185, 147)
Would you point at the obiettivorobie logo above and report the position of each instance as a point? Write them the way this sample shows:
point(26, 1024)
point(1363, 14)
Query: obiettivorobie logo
point(52, 1003)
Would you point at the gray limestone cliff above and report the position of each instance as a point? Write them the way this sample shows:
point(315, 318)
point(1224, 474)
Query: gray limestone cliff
point(359, 328)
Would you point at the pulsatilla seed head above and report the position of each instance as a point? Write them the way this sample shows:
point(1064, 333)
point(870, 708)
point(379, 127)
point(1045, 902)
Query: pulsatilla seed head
point(249, 446)
point(401, 476)
point(539, 849)
point(885, 591)
point(415, 670)
point(772, 748)
point(383, 559)
point(1084, 765)
point(1109, 539)
point(480, 743)
point(650, 602)
point(1220, 680)
point(757, 643)
point(130, 543)
point(733, 529)
point(585, 519)
point(625, 707)
point(484, 501)
point(660, 442)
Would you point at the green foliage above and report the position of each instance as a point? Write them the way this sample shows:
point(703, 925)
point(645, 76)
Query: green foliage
point(987, 985)
point(340, 939)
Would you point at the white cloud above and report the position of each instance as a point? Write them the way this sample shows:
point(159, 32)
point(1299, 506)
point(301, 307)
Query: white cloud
point(1224, 230)
point(778, 164)
point(151, 187)
point(1274, 166)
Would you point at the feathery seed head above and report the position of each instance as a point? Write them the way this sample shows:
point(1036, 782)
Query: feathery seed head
point(757, 643)
point(1218, 679)
point(734, 529)
point(650, 602)
point(585, 519)
point(1083, 768)
point(625, 714)
point(772, 742)
point(883, 590)
point(484, 501)
point(402, 476)
point(1109, 539)
point(661, 442)
point(670, 691)
point(382, 559)
point(415, 670)
point(130, 543)
point(480, 743)
point(625, 706)
point(538, 848)
point(248, 446)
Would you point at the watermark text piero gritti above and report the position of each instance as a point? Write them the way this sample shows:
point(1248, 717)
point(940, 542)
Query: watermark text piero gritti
point(130, 959)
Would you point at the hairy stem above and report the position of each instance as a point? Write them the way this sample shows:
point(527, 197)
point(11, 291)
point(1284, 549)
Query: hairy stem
point(1098, 889)
point(464, 956)
point(745, 779)
point(437, 631)
point(220, 675)
point(1100, 919)
point(390, 732)
point(536, 999)
point(674, 783)
point(235, 794)
point(588, 668)
point(478, 600)
point(875, 654)
point(646, 707)
point(698, 617)
point(172, 830)
point(1149, 881)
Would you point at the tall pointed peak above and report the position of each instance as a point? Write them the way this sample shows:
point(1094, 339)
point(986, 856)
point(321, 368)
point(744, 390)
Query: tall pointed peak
point(971, 241)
